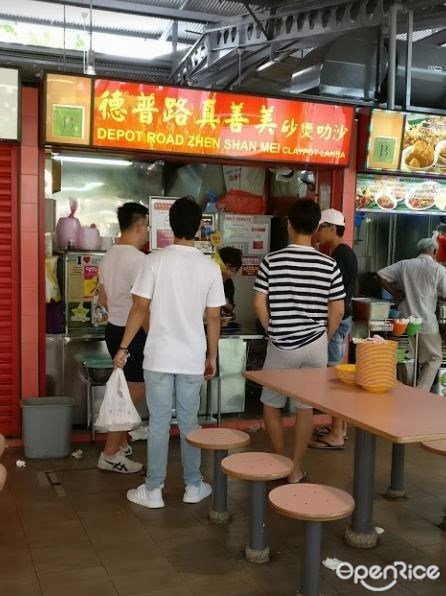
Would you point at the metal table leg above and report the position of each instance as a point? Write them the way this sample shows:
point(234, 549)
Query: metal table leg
point(396, 489)
point(311, 561)
point(361, 533)
point(90, 412)
point(257, 551)
point(219, 510)
point(219, 401)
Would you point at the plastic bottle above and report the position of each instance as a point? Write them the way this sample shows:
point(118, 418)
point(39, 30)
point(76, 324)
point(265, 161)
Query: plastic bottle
point(211, 206)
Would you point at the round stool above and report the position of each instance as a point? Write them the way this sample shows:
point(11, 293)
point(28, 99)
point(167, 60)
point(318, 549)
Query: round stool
point(258, 468)
point(313, 504)
point(218, 440)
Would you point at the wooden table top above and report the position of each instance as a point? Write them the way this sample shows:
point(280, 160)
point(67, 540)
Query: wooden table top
point(403, 415)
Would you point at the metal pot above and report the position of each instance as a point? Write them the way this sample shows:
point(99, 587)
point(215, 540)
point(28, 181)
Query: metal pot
point(441, 311)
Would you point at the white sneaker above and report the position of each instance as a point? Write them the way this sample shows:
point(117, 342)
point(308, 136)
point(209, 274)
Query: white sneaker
point(118, 463)
point(153, 499)
point(126, 451)
point(195, 494)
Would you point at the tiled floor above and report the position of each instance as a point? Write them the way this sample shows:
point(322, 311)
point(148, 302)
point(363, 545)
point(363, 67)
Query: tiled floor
point(67, 529)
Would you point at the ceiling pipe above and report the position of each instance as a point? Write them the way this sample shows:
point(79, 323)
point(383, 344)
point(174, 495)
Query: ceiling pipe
point(409, 48)
point(391, 75)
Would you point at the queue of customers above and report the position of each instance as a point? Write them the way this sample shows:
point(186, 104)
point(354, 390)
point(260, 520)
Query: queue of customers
point(155, 332)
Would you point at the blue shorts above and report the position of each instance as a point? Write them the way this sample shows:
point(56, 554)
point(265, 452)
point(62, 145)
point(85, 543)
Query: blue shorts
point(336, 346)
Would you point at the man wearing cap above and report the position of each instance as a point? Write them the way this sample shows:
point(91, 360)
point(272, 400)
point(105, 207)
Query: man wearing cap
point(416, 284)
point(331, 233)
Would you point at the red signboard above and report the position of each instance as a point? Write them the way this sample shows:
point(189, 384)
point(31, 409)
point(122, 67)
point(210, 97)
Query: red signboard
point(218, 124)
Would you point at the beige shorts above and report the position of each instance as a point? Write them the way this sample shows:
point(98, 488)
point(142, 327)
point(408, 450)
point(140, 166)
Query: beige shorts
point(314, 355)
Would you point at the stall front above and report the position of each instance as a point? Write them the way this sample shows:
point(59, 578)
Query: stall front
point(242, 157)
point(10, 382)
point(400, 192)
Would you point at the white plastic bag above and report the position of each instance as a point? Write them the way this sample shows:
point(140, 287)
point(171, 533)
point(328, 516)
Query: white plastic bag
point(117, 411)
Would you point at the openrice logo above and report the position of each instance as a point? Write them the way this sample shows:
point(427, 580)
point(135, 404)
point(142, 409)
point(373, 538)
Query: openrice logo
point(390, 573)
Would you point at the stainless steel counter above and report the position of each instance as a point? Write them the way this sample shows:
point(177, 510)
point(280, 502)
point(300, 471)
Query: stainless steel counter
point(65, 374)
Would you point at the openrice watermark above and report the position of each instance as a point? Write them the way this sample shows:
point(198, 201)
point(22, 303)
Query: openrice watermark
point(391, 574)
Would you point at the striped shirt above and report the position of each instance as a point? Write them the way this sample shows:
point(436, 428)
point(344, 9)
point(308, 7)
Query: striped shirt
point(299, 282)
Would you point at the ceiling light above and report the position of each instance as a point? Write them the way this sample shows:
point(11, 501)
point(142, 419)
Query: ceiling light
point(85, 188)
point(265, 66)
point(120, 163)
point(89, 65)
point(90, 68)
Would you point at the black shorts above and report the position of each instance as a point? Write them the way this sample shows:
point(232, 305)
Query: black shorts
point(133, 369)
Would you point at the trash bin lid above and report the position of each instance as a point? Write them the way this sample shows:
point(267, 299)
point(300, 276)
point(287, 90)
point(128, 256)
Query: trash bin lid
point(39, 402)
point(98, 362)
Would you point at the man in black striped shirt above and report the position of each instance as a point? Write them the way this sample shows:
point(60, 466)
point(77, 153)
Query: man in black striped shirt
point(299, 300)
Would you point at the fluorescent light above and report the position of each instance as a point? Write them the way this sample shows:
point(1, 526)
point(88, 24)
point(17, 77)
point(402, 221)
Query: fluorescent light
point(299, 73)
point(123, 163)
point(266, 65)
point(88, 186)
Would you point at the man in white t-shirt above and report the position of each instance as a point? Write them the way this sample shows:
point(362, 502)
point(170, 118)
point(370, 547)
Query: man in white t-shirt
point(117, 273)
point(179, 285)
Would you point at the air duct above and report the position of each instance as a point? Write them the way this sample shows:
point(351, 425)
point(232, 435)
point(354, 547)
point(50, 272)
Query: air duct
point(352, 66)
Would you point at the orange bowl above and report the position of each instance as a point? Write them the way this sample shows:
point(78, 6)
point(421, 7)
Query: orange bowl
point(346, 373)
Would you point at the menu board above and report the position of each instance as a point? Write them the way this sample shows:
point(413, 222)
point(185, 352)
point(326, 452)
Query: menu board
point(249, 233)
point(161, 234)
point(394, 194)
point(407, 142)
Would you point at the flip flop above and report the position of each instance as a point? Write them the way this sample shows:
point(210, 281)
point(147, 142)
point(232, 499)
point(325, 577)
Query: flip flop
point(324, 445)
point(301, 480)
point(321, 431)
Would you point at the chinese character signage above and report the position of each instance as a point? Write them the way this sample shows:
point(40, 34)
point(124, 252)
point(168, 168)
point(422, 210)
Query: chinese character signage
point(208, 123)
point(409, 143)
point(67, 109)
point(393, 194)
point(9, 104)
point(136, 116)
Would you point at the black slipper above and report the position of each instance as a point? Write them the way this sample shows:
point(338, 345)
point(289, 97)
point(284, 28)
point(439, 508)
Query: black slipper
point(321, 431)
point(324, 445)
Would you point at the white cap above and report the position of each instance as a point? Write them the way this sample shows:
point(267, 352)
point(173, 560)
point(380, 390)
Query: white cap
point(427, 244)
point(332, 216)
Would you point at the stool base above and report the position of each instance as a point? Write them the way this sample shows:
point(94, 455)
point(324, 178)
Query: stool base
point(395, 495)
point(257, 556)
point(360, 540)
point(219, 517)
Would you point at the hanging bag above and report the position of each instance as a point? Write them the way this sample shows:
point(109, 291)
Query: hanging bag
point(117, 410)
